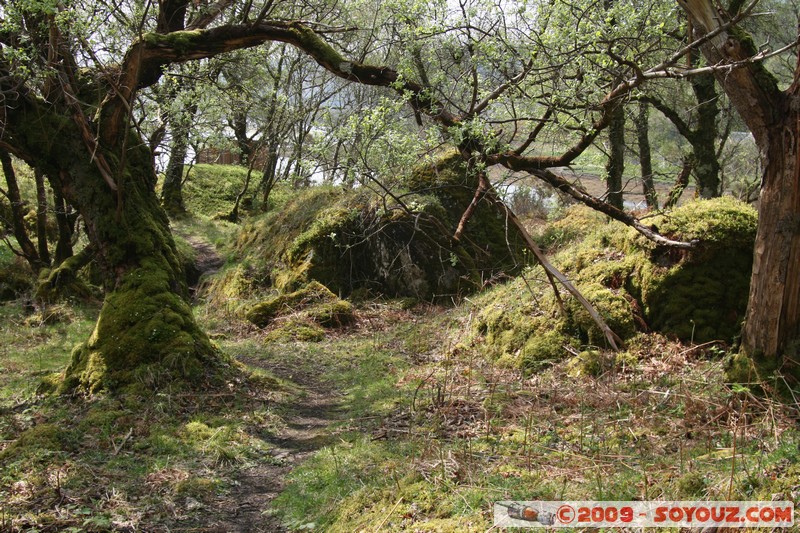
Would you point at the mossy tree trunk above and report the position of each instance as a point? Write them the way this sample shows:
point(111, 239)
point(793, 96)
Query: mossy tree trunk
point(146, 333)
point(771, 333)
point(172, 189)
point(704, 138)
point(645, 154)
point(41, 218)
point(65, 221)
point(27, 248)
point(615, 166)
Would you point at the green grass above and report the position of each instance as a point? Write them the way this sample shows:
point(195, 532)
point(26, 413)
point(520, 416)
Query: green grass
point(437, 433)
point(29, 351)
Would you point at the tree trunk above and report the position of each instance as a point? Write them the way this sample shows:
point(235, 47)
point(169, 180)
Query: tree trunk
point(28, 250)
point(645, 155)
point(704, 138)
point(41, 218)
point(771, 333)
point(616, 157)
point(146, 334)
point(65, 228)
point(172, 190)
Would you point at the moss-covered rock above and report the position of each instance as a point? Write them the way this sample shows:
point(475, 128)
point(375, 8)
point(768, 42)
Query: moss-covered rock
point(636, 286)
point(314, 302)
point(360, 241)
point(296, 329)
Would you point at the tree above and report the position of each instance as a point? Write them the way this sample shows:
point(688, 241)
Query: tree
point(77, 125)
point(642, 123)
point(771, 334)
point(703, 136)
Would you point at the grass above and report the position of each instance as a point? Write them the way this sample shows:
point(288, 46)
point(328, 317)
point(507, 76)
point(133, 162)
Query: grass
point(429, 427)
point(119, 462)
point(29, 351)
point(464, 433)
point(429, 431)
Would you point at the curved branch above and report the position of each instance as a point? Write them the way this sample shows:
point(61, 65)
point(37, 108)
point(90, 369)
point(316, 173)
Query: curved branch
point(671, 115)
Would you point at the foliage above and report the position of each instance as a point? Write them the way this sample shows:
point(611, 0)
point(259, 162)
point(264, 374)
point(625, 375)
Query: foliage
point(398, 245)
point(700, 296)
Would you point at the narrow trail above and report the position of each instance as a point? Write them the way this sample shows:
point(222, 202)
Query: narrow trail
point(208, 260)
point(246, 508)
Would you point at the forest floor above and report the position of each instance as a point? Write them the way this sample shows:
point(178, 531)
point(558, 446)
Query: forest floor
point(398, 422)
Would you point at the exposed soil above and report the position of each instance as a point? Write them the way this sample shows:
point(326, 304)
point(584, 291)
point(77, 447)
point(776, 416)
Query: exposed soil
point(208, 260)
point(246, 508)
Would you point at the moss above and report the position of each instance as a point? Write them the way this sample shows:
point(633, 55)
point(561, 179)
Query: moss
point(612, 306)
point(332, 314)
point(196, 487)
point(146, 334)
point(543, 348)
point(588, 363)
point(632, 283)
point(296, 330)
point(692, 485)
point(42, 437)
point(180, 41)
point(357, 240)
point(16, 279)
point(311, 295)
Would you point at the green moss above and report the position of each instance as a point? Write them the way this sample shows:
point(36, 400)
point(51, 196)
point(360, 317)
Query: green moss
point(145, 334)
point(16, 279)
point(296, 330)
point(612, 306)
point(588, 363)
point(196, 487)
point(634, 285)
point(332, 314)
point(40, 438)
point(356, 240)
point(543, 348)
point(180, 41)
point(692, 485)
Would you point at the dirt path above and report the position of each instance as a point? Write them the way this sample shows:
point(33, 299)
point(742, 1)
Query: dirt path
point(247, 507)
point(208, 260)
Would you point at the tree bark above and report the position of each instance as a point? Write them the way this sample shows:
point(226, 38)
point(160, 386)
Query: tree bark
point(616, 157)
point(172, 189)
point(41, 218)
point(65, 228)
point(28, 250)
point(146, 334)
point(771, 333)
point(645, 154)
point(704, 138)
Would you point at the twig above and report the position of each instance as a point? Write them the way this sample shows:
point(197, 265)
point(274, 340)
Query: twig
point(385, 518)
